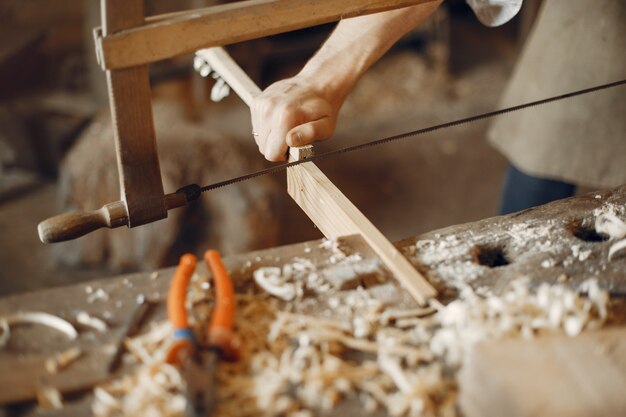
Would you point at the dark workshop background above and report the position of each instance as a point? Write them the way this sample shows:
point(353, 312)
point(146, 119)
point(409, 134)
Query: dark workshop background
point(56, 149)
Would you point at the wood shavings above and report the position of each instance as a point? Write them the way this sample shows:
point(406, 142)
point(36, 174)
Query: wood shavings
point(517, 313)
point(391, 315)
point(45, 319)
point(292, 280)
point(615, 228)
point(49, 398)
point(617, 247)
point(337, 254)
point(98, 295)
point(580, 254)
point(92, 322)
point(449, 258)
point(62, 360)
point(402, 362)
point(5, 333)
point(271, 280)
point(153, 389)
point(611, 225)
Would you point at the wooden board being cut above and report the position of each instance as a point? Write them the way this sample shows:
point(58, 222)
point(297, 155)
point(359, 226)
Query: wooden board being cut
point(336, 216)
point(555, 376)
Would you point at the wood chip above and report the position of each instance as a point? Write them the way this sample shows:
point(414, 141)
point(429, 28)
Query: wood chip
point(62, 360)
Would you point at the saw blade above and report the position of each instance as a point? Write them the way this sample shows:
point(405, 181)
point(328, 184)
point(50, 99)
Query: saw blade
point(412, 134)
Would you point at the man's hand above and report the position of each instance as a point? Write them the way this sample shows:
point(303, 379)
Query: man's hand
point(292, 112)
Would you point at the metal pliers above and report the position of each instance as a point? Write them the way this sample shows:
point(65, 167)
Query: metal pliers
point(197, 357)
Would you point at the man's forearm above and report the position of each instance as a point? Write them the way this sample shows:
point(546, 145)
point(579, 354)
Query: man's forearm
point(357, 43)
point(303, 109)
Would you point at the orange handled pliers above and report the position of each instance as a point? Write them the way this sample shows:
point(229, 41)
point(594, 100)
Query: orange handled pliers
point(197, 359)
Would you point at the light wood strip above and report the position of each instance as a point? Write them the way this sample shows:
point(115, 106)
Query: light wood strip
point(336, 216)
point(185, 32)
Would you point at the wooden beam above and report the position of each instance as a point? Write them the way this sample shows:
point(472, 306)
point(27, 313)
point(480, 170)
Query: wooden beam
point(131, 112)
point(336, 216)
point(185, 32)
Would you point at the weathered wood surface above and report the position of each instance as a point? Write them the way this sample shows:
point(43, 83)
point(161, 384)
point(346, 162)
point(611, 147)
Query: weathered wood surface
point(552, 376)
point(521, 237)
point(543, 244)
point(179, 33)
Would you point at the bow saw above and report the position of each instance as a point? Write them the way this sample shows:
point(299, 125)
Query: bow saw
point(127, 42)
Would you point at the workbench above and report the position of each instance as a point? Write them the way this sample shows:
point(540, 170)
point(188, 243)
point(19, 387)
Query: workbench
point(549, 244)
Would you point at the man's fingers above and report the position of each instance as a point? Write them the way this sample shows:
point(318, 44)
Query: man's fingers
point(256, 125)
point(307, 133)
point(275, 149)
point(288, 115)
point(285, 118)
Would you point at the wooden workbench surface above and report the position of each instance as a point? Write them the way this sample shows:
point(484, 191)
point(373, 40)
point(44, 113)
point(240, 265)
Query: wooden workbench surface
point(543, 244)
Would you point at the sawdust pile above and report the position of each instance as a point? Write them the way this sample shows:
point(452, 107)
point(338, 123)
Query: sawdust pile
point(358, 350)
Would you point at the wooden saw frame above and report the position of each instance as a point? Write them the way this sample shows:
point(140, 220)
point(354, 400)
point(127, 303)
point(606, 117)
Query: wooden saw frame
point(128, 41)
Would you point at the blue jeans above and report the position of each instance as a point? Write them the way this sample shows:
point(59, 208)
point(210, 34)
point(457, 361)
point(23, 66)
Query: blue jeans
point(521, 191)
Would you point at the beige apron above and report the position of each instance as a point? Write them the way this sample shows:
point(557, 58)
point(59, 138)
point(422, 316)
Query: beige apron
point(574, 44)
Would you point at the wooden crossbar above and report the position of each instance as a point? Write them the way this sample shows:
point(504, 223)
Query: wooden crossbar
point(185, 32)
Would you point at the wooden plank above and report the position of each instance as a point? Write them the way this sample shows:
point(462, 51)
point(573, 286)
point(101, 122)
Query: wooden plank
point(225, 24)
point(336, 216)
point(131, 110)
point(549, 376)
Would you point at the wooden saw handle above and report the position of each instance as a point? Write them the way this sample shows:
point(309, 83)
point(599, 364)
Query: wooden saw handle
point(68, 226)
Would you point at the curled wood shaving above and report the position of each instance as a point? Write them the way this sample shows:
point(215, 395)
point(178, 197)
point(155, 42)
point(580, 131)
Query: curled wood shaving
point(98, 295)
point(615, 228)
point(88, 320)
point(62, 360)
point(292, 280)
point(5, 334)
point(392, 315)
point(611, 225)
point(49, 398)
point(617, 247)
point(45, 319)
point(270, 279)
